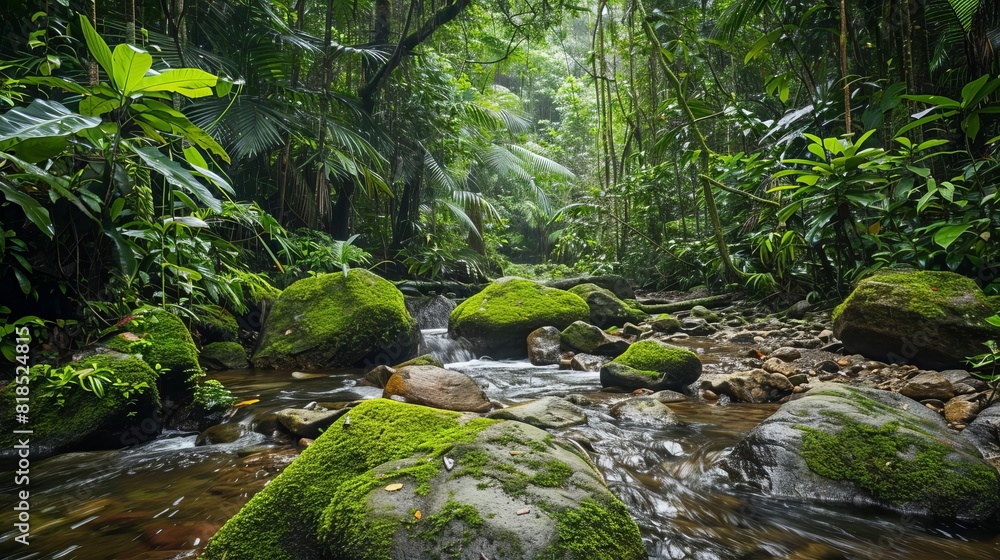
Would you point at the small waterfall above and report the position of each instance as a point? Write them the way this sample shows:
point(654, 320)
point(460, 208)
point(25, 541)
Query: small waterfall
point(443, 347)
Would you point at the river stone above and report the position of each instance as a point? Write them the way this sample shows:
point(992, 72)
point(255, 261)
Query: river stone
point(696, 326)
point(867, 448)
point(547, 412)
point(705, 313)
point(223, 355)
point(984, 433)
point(436, 387)
point(755, 386)
point(644, 411)
point(665, 323)
point(587, 362)
point(431, 312)
point(932, 319)
point(775, 365)
point(84, 421)
point(618, 285)
point(589, 339)
point(330, 320)
point(484, 488)
point(220, 433)
point(606, 310)
point(669, 396)
point(378, 376)
point(961, 411)
point(651, 364)
point(543, 346)
point(308, 423)
point(928, 385)
point(498, 320)
point(786, 354)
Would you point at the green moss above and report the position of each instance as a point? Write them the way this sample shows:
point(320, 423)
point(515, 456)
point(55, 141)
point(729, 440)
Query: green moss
point(217, 325)
point(925, 291)
point(171, 344)
point(331, 320)
point(606, 309)
point(650, 358)
point(596, 531)
point(553, 474)
point(897, 467)
point(223, 355)
point(449, 513)
point(330, 481)
point(422, 360)
point(83, 413)
point(505, 313)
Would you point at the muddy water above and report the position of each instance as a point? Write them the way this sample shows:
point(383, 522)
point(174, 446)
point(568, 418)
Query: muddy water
point(164, 498)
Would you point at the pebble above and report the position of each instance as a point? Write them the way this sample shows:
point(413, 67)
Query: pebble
point(709, 395)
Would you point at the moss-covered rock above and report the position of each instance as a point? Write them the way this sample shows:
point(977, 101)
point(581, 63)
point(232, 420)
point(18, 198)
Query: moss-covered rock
point(606, 309)
point(665, 323)
point(331, 320)
point(223, 355)
point(617, 285)
point(932, 319)
point(217, 325)
point(589, 339)
point(85, 420)
point(499, 319)
point(865, 447)
point(162, 340)
point(651, 364)
point(702, 312)
point(403, 481)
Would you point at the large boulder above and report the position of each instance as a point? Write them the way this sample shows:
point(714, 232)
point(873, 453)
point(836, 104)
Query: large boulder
point(83, 420)
point(436, 387)
point(546, 412)
point(431, 312)
point(651, 364)
point(223, 355)
point(332, 320)
point(162, 340)
point(543, 346)
point(402, 481)
point(867, 448)
point(606, 309)
point(932, 319)
point(617, 285)
point(499, 319)
point(984, 433)
point(589, 339)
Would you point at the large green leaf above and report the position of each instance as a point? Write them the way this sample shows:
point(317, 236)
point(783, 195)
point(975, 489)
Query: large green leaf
point(96, 45)
point(947, 235)
point(189, 82)
point(129, 65)
point(41, 119)
point(178, 176)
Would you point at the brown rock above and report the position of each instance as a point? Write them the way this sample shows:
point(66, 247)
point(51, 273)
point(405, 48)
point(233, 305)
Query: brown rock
point(786, 354)
point(961, 410)
point(756, 386)
point(776, 365)
point(378, 376)
point(438, 388)
point(543, 346)
point(928, 385)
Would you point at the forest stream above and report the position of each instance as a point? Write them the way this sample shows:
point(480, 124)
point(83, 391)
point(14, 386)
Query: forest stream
point(164, 498)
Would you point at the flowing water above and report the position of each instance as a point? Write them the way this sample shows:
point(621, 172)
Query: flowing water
point(164, 498)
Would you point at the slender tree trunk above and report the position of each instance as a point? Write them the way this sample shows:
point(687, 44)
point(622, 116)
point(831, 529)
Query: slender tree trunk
point(92, 70)
point(843, 66)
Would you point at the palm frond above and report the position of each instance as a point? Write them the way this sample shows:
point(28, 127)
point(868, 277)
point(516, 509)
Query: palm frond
point(538, 164)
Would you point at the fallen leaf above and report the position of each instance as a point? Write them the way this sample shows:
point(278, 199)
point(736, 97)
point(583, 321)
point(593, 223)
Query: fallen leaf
point(129, 337)
point(288, 332)
point(247, 402)
point(417, 514)
point(393, 487)
point(523, 511)
point(515, 452)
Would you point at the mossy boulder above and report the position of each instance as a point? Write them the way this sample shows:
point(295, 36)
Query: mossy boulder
point(330, 320)
point(217, 325)
point(651, 364)
point(589, 339)
point(665, 323)
point(617, 285)
point(867, 448)
point(86, 421)
point(223, 355)
point(499, 319)
point(162, 340)
point(404, 481)
point(932, 319)
point(606, 310)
